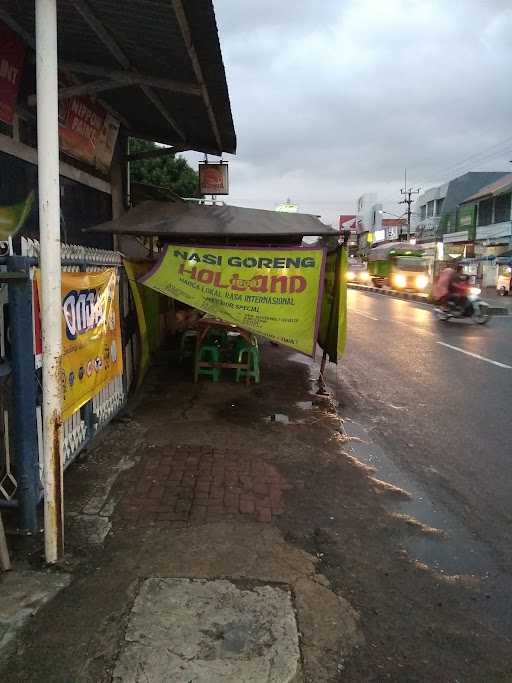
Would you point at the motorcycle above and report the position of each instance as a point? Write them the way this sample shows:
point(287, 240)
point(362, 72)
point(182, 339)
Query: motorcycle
point(471, 306)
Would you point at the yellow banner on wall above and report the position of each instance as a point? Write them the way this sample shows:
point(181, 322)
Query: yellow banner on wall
point(91, 335)
point(272, 292)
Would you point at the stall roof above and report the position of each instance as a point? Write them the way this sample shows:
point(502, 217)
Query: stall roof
point(169, 219)
point(157, 65)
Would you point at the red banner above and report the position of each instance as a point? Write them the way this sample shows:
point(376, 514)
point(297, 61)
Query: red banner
point(12, 54)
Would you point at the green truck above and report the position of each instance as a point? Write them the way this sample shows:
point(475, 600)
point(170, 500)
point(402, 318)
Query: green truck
point(399, 265)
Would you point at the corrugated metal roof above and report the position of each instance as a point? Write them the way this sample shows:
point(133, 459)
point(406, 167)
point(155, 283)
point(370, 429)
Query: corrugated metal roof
point(500, 186)
point(166, 219)
point(151, 37)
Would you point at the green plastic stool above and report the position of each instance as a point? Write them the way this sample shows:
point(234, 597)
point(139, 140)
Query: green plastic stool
point(185, 338)
point(217, 336)
point(253, 358)
point(209, 354)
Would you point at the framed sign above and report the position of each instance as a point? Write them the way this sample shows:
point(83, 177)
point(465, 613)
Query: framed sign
point(213, 178)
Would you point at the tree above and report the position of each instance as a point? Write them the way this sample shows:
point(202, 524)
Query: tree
point(169, 171)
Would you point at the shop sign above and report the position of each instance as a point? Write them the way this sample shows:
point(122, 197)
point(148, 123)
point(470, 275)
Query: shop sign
point(12, 54)
point(272, 292)
point(213, 178)
point(91, 335)
point(87, 132)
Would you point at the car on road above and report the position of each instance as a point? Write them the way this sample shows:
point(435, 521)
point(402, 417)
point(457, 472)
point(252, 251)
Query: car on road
point(357, 272)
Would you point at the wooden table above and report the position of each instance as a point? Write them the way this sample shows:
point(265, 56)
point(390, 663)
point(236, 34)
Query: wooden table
point(207, 324)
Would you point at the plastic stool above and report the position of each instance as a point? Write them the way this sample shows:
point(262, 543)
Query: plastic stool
point(253, 359)
point(217, 336)
point(185, 337)
point(209, 354)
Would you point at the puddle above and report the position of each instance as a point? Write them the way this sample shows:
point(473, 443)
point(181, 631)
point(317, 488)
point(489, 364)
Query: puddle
point(455, 551)
point(278, 417)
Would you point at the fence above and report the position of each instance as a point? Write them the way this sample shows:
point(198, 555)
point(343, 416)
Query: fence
point(20, 376)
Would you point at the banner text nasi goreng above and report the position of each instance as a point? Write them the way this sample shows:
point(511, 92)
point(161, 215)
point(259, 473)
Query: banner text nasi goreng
point(272, 292)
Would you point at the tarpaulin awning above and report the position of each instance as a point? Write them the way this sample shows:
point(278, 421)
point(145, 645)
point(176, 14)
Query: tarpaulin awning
point(172, 220)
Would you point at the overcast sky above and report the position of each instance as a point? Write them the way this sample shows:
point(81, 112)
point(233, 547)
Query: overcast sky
point(333, 98)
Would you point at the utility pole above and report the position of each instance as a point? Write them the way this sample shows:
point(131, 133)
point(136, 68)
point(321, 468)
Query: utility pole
point(407, 193)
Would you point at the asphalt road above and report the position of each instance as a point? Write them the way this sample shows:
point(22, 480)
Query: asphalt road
point(437, 398)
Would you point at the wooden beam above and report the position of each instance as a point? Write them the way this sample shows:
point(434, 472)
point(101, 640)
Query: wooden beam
point(106, 38)
point(30, 41)
point(13, 24)
point(80, 89)
point(172, 143)
point(132, 78)
point(154, 153)
point(189, 44)
point(110, 43)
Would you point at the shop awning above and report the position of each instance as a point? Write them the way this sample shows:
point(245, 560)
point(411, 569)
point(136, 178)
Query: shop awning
point(156, 66)
point(171, 220)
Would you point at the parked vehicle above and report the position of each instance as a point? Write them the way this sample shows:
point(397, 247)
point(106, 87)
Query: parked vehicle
point(504, 282)
point(357, 272)
point(399, 265)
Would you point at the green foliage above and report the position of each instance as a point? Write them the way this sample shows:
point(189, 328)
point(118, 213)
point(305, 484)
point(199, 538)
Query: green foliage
point(165, 171)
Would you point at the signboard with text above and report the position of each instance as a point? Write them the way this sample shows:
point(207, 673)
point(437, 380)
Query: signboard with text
point(87, 132)
point(12, 54)
point(91, 335)
point(272, 292)
point(213, 179)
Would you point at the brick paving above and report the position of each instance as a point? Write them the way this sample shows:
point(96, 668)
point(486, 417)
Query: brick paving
point(199, 484)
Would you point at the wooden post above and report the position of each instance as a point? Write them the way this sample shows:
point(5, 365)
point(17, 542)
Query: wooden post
point(5, 562)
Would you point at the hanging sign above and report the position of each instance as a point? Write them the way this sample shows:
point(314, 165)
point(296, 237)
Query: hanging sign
point(91, 334)
point(272, 292)
point(213, 179)
point(12, 54)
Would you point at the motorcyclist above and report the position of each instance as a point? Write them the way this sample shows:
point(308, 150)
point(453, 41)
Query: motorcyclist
point(451, 288)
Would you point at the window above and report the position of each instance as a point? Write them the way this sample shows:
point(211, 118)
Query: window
point(485, 212)
point(502, 208)
point(423, 212)
point(430, 208)
point(439, 206)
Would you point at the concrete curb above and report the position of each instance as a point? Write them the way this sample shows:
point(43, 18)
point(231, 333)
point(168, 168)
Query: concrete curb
point(411, 296)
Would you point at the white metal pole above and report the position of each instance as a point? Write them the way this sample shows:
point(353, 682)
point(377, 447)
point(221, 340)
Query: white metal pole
point(49, 226)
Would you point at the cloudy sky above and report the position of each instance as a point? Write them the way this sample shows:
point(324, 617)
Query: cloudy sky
point(333, 98)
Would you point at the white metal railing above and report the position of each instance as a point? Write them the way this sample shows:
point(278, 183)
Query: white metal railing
point(76, 430)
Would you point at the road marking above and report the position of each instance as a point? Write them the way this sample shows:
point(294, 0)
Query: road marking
point(475, 355)
point(365, 315)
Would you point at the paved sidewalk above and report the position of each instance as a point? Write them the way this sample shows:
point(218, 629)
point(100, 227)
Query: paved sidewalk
point(206, 539)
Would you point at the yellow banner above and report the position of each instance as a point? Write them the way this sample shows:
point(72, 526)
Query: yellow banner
point(133, 270)
point(91, 335)
point(332, 334)
point(272, 292)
